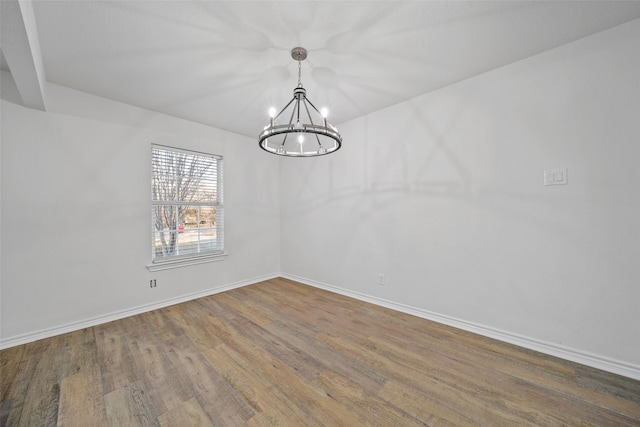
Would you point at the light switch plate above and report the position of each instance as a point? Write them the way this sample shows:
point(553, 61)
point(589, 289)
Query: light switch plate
point(556, 177)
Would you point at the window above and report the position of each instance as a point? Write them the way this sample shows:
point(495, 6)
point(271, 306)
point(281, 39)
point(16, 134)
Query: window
point(187, 208)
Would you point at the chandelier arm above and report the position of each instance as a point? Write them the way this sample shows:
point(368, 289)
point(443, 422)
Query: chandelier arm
point(293, 111)
point(282, 111)
point(298, 109)
point(290, 121)
point(308, 114)
point(313, 106)
point(311, 120)
point(284, 139)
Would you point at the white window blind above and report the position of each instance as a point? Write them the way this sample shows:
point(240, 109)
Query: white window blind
point(187, 214)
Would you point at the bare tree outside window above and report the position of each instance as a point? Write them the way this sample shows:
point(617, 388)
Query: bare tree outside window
point(186, 203)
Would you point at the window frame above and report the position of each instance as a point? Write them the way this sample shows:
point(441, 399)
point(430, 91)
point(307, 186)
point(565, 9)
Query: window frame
point(180, 260)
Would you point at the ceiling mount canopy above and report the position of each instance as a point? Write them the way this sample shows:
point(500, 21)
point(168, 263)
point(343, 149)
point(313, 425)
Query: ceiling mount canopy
point(299, 129)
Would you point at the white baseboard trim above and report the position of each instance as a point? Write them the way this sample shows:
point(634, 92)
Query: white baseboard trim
point(585, 358)
point(94, 321)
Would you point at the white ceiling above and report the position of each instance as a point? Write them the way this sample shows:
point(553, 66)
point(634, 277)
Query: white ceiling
point(224, 63)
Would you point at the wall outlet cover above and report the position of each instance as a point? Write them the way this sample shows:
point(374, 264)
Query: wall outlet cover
point(556, 176)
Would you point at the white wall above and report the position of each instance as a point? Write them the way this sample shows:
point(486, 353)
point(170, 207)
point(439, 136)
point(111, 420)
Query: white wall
point(76, 233)
point(444, 196)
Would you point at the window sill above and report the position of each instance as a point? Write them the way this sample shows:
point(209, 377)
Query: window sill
point(177, 263)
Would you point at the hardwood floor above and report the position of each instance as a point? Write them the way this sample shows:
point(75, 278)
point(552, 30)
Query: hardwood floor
point(282, 353)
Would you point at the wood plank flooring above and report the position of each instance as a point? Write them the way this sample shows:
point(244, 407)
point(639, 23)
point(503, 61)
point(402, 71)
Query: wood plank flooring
point(279, 353)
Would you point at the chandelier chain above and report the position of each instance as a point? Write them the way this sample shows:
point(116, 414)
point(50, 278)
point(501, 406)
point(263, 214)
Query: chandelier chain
point(299, 74)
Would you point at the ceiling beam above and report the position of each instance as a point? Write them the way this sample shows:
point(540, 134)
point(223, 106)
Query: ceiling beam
point(21, 49)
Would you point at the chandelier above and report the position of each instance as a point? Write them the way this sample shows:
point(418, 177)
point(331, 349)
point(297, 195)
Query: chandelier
point(307, 132)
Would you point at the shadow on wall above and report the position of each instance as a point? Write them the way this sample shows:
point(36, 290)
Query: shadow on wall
point(422, 157)
point(385, 161)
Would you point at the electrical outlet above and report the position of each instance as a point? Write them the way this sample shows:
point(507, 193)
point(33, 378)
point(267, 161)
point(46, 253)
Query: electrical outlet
point(380, 279)
point(152, 283)
point(556, 177)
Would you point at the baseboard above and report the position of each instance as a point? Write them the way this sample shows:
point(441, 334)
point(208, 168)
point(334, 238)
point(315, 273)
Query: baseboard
point(94, 321)
point(567, 353)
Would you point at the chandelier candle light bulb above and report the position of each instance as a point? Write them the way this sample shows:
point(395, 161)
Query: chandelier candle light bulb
point(315, 135)
point(272, 116)
point(324, 113)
